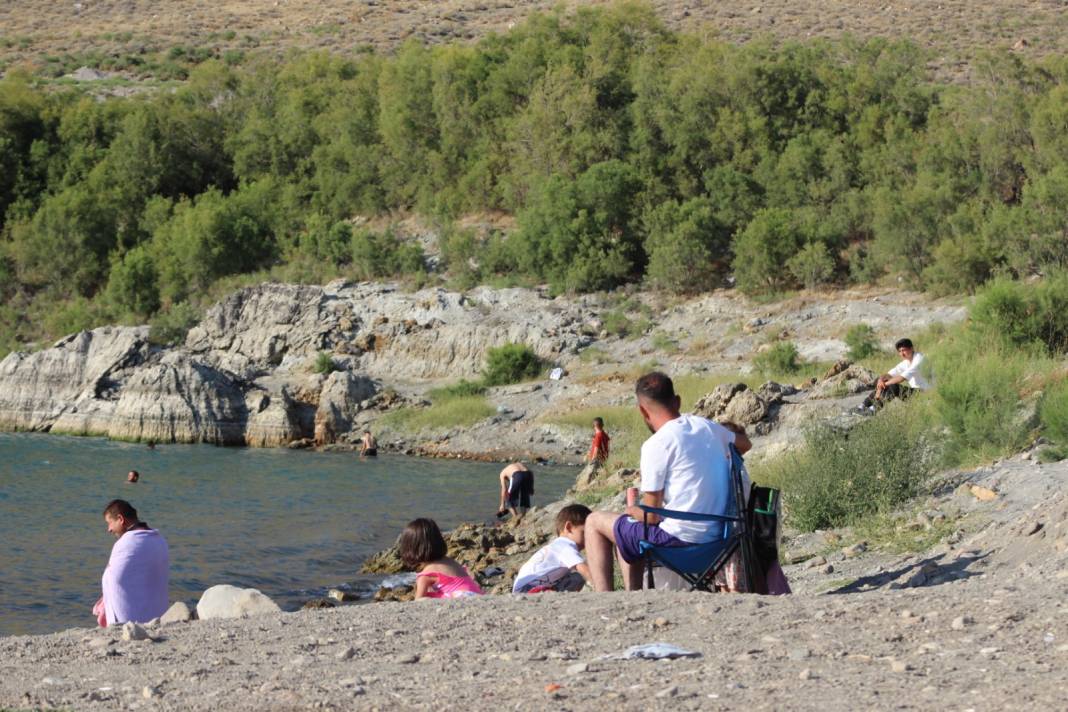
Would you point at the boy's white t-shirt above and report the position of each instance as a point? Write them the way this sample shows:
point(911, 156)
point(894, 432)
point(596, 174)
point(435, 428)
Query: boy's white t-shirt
point(560, 552)
point(910, 371)
point(689, 459)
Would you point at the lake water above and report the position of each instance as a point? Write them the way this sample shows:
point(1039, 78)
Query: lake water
point(289, 523)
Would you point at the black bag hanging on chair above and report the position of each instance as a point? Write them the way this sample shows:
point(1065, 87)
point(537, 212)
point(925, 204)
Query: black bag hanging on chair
point(764, 510)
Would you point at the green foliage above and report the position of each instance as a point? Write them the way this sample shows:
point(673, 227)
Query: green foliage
point(459, 412)
point(860, 338)
point(839, 478)
point(978, 393)
point(1053, 412)
point(511, 363)
point(383, 255)
point(1020, 314)
point(779, 360)
point(461, 389)
point(686, 245)
point(324, 363)
point(812, 266)
point(169, 327)
point(617, 321)
point(625, 152)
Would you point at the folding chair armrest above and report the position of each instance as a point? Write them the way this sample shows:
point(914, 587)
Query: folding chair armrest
point(688, 516)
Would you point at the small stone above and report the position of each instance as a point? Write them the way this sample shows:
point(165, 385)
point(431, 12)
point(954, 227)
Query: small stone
point(149, 692)
point(408, 659)
point(668, 692)
point(806, 674)
point(989, 651)
point(856, 550)
point(179, 612)
point(815, 562)
point(799, 654)
point(577, 668)
point(961, 622)
point(134, 631)
point(346, 654)
point(338, 595)
point(899, 666)
point(983, 494)
point(660, 623)
point(828, 569)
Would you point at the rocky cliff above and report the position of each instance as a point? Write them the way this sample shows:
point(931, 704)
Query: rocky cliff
point(245, 373)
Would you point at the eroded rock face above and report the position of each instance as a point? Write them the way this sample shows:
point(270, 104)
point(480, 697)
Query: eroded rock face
point(735, 402)
point(37, 389)
point(244, 374)
point(339, 401)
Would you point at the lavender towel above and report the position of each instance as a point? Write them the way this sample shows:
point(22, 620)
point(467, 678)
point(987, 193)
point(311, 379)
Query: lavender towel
point(135, 581)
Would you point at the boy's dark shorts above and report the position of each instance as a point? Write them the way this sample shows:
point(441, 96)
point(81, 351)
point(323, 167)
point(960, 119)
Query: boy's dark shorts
point(520, 489)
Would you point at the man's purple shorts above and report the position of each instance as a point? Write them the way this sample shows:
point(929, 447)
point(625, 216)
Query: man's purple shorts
point(629, 532)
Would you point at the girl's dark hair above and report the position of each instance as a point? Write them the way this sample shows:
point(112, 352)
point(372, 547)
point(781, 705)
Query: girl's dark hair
point(421, 542)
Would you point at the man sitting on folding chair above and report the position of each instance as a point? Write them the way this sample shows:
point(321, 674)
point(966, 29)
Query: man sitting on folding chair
point(685, 467)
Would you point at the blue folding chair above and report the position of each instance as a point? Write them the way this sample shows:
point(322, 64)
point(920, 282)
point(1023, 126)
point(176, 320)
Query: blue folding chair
point(698, 564)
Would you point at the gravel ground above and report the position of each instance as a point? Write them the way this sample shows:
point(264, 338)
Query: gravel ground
point(974, 644)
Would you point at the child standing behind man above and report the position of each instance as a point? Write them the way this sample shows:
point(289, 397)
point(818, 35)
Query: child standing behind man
point(558, 566)
point(599, 447)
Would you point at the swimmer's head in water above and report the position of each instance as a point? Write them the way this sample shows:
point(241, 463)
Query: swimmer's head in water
point(133, 476)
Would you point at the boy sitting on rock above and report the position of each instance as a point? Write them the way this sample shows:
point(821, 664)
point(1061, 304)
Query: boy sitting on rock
point(558, 566)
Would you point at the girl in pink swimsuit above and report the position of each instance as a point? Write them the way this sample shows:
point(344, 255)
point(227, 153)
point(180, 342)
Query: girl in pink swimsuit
point(423, 548)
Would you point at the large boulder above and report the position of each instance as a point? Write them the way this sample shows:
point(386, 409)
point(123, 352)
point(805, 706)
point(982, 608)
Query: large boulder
point(843, 382)
point(225, 601)
point(274, 419)
point(339, 401)
point(735, 402)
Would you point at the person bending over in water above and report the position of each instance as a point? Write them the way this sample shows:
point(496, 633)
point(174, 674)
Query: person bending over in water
point(423, 549)
point(136, 578)
point(517, 487)
point(368, 446)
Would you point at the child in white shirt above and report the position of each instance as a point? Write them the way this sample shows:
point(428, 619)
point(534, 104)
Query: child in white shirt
point(558, 566)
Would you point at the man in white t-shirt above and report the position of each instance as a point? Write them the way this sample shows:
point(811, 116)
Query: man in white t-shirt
point(685, 466)
point(558, 566)
point(901, 381)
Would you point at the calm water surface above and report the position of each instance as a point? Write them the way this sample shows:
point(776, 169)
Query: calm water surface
point(289, 523)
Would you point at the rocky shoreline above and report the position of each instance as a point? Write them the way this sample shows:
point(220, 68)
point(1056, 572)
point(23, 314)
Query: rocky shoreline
point(246, 374)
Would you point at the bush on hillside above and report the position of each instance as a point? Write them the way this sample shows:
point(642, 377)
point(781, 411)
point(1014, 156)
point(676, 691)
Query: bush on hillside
point(324, 363)
point(861, 342)
point(1020, 314)
point(511, 363)
point(977, 394)
point(838, 477)
point(780, 360)
point(1053, 412)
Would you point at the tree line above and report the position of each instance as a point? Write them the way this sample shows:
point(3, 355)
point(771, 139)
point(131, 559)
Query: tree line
point(626, 152)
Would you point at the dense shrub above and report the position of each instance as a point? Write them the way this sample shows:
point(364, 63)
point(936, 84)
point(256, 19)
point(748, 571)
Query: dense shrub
point(861, 342)
point(461, 389)
point(511, 363)
point(839, 477)
point(1053, 412)
point(779, 360)
point(1021, 314)
point(977, 394)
